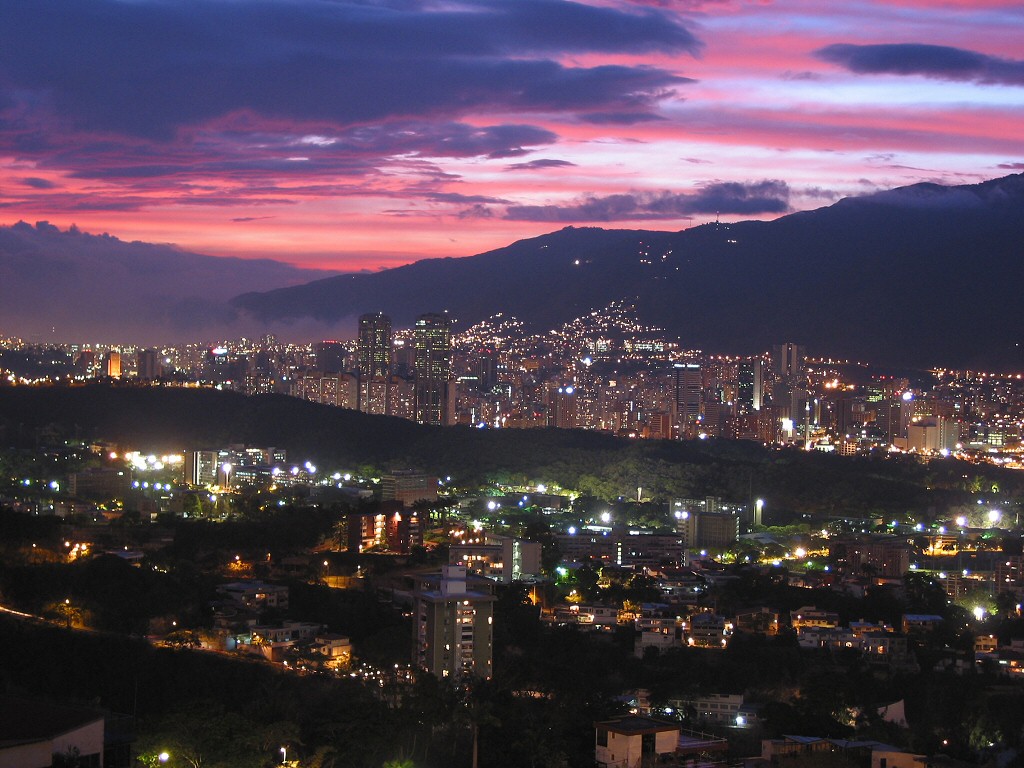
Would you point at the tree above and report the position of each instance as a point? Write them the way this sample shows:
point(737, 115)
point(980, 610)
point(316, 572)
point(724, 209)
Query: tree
point(64, 611)
point(204, 735)
point(183, 638)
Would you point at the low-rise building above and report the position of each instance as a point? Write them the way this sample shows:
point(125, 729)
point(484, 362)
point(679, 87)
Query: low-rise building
point(628, 742)
point(708, 630)
point(809, 616)
point(255, 595)
point(33, 732)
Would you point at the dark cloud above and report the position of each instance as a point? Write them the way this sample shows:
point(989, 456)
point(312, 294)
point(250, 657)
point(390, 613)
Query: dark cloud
point(621, 118)
point(356, 152)
point(766, 196)
point(455, 197)
point(148, 68)
point(1011, 166)
point(790, 75)
point(228, 164)
point(477, 211)
point(243, 219)
point(821, 192)
point(540, 164)
point(935, 61)
point(37, 183)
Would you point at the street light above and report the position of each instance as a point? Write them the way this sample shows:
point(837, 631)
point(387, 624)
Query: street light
point(284, 755)
point(163, 757)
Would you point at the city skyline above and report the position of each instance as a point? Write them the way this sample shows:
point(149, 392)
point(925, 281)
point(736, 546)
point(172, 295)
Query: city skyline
point(349, 136)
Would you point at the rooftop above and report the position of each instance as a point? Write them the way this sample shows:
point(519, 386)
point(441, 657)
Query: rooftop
point(25, 721)
point(637, 724)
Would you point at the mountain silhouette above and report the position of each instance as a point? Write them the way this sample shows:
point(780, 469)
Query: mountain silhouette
point(924, 275)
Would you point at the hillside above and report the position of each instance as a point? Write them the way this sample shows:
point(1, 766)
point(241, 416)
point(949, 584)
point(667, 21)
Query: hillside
point(164, 419)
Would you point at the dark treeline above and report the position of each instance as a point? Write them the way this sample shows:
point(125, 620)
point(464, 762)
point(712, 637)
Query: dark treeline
point(163, 419)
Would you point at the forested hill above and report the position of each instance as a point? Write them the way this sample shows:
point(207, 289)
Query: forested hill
point(162, 419)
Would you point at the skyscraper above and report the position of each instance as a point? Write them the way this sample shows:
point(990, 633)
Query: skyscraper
point(373, 354)
point(562, 407)
point(688, 382)
point(432, 337)
point(374, 345)
point(749, 385)
point(790, 363)
point(114, 365)
point(147, 364)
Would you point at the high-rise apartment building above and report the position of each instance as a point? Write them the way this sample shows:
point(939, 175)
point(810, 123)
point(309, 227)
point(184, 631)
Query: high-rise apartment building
point(453, 614)
point(432, 338)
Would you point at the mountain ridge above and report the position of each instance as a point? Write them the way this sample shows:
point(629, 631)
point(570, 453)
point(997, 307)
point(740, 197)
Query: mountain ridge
point(921, 275)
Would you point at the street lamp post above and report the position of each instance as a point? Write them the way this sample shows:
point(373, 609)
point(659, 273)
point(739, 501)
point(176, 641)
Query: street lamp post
point(284, 755)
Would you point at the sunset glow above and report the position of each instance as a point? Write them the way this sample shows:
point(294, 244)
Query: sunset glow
point(358, 135)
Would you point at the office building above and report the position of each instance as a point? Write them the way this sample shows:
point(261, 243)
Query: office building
point(408, 487)
point(708, 522)
point(749, 386)
point(500, 558)
point(373, 350)
point(688, 384)
point(561, 411)
point(114, 365)
point(932, 433)
point(201, 467)
point(789, 363)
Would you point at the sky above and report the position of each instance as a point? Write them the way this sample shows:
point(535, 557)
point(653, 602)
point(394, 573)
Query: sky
point(346, 135)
